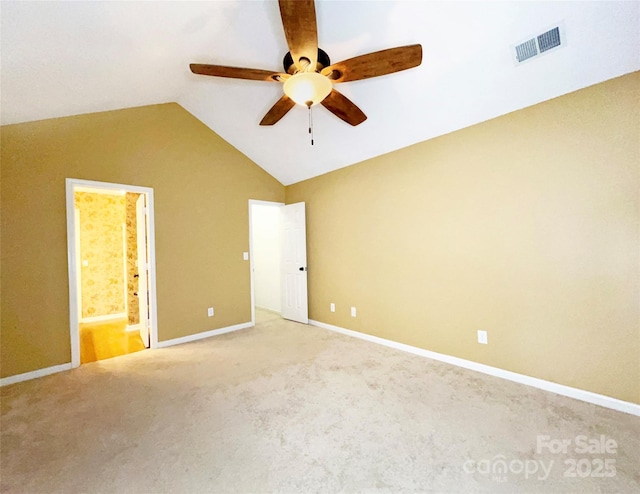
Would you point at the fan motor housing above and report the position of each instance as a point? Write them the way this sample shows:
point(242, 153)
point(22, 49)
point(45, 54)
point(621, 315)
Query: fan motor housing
point(290, 68)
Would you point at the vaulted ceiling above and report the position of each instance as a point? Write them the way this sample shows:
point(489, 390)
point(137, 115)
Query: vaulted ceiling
point(68, 58)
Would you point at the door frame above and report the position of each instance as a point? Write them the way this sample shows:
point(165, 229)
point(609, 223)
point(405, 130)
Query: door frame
point(73, 258)
point(255, 202)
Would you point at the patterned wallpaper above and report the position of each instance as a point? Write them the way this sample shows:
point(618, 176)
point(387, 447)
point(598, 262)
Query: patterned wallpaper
point(132, 257)
point(101, 252)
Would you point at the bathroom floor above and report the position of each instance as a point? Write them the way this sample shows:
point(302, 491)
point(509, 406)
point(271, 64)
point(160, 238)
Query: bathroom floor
point(99, 341)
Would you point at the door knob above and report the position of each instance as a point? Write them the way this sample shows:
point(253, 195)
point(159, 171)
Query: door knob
point(136, 275)
point(303, 269)
point(135, 293)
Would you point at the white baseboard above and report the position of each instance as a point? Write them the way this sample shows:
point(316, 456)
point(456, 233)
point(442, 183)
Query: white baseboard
point(561, 389)
point(5, 381)
point(206, 334)
point(107, 317)
point(133, 327)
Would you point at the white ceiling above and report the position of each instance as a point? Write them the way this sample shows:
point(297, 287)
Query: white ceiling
point(67, 58)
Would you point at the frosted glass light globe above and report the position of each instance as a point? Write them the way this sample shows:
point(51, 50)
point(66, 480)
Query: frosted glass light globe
point(307, 88)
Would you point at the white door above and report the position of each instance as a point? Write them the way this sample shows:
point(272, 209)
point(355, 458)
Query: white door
point(294, 263)
point(143, 265)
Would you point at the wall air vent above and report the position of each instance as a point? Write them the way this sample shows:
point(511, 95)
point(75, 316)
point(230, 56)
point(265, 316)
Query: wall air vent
point(549, 40)
point(539, 44)
point(526, 50)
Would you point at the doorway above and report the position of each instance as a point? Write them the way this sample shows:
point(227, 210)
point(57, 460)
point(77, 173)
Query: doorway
point(111, 256)
point(265, 254)
point(278, 260)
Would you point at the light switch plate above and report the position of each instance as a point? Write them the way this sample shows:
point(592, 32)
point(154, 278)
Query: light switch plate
point(245, 256)
point(353, 312)
point(332, 307)
point(210, 311)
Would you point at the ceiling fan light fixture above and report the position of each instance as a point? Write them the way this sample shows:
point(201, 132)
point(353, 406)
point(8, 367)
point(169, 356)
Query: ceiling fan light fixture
point(309, 75)
point(307, 88)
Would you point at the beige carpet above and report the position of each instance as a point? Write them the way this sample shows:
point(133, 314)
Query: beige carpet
point(284, 407)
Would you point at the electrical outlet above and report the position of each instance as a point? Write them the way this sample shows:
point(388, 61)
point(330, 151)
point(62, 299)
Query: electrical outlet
point(210, 311)
point(353, 312)
point(482, 337)
point(332, 307)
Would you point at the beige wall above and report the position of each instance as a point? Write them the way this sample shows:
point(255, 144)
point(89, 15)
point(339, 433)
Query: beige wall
point(526, 226)
point(201, 189)
point(102, 250)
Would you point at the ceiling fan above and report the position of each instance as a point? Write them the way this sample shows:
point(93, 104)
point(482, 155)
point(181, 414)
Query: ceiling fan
point(309, 76)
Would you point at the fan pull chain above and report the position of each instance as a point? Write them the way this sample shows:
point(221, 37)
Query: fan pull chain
point(311, 125)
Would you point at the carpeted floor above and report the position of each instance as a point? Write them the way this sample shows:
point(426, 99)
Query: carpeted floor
point(284, 407)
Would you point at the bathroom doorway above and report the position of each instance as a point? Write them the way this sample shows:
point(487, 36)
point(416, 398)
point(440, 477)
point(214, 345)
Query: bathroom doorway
point(111, 269)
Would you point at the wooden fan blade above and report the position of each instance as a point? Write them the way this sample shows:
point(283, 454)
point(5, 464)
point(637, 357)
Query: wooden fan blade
point(375, 64)
point(342, 107)
point(279, 110)
point(237, 72)
point(300, 29)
